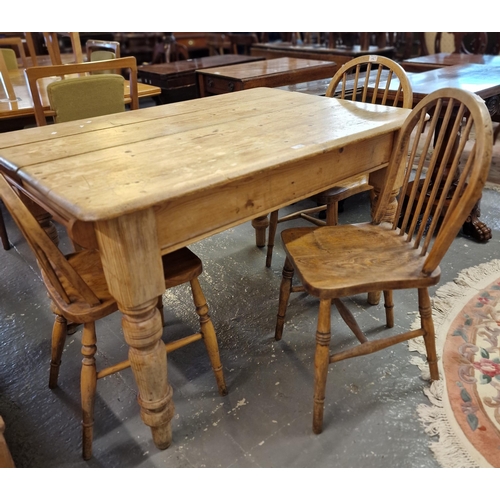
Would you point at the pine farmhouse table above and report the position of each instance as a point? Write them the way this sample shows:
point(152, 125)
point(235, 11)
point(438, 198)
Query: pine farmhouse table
point(143, 183)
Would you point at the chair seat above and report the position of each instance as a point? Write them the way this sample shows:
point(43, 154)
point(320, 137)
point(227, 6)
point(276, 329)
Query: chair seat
point(338, 261)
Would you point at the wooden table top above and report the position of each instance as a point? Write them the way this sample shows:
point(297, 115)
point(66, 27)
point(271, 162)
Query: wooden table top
point(483, 80)
point(179, 68)
point(354, 51)
point(441, 59)
point(23, 106)
point(182, 150)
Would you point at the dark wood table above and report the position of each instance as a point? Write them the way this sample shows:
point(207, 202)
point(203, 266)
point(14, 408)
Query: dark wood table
point(339, 54)
point(483, 80)
point(442, 59)
point(266, 73)
point(177, 80)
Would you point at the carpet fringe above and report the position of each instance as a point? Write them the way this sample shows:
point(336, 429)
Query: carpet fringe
point(448, 450)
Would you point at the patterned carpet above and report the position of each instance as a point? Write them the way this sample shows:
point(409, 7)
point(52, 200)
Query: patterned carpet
point(464, 413)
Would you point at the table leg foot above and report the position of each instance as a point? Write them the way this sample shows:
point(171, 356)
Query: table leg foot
point(476, 229)
point(260, 225)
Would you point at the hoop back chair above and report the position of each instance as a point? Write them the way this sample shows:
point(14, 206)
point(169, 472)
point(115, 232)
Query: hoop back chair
point(377, 79)
point(78, 291)
point(82, 97)
point(339, 261)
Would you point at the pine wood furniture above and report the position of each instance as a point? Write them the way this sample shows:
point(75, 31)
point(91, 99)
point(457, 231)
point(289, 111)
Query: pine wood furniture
point(332, 262)
point(362, 73)
point(442, 59)
point(177, 80)
point(97, 50)
point(77, 288)
point(339, 55)
point(266, 73)
point(171, 169)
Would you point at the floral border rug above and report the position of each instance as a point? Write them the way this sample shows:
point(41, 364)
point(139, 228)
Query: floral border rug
point(464, 413)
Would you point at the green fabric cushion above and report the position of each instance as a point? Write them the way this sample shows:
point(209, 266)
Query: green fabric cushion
point(10, 58)
point(86, 97)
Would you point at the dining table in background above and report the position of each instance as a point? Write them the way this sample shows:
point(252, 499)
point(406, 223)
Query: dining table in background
point(177, 80)
point(264, 73)
point(180, 173)
point(443, 59)
point(18, 112)
point(339, 54)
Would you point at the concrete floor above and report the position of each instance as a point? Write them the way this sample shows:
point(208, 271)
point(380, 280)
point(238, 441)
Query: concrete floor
point(265, 420)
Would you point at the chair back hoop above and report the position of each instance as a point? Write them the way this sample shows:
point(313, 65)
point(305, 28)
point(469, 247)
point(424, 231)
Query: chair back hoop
point(86, 97)
point(34, 74)
point(50, 259)
point(444, 162)
point(377, 79)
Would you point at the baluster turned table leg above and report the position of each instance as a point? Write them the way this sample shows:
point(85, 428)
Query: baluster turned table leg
point(133, 269)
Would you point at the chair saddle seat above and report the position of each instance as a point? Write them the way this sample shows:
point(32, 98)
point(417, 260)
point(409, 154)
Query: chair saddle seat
point(338, 261)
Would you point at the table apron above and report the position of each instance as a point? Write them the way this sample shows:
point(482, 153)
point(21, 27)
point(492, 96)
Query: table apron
point(202, 214)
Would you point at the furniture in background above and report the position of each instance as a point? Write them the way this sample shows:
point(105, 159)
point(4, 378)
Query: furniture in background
point(241, 43)
point(15, 44)
point(52, 44)
point(174, 167)
point(77, 288)
point(264, 73)
point(177, 80)
point(83, 102)
point(100, 50)
point(333, 262)
point(352, 81)
point(442, 59)
point(337, 54)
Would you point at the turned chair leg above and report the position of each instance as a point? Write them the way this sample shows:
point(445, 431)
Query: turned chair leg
point(332, 214)
point(160, 309)
point(321, 363)
point(271, 235)
point(59, 333)
point(88, 385)
point(209, 336)
point(285, 290)
point(425, 309)
point(389, 308)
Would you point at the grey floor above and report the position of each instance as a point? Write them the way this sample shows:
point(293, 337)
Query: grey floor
point(265, 420)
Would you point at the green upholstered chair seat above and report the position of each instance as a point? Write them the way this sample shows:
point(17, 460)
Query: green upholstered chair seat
point(86, 97)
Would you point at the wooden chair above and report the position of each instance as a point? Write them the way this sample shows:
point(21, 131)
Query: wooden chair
point(81, 101)
point(371, 76)
point(218, 44)
point(167, 49)
point(339, 261)
point(10, 58)
point(242, 43)
point(465, 43)
point(78, 291)
point(101, 50)
point(16, 44)
point(53, 48)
